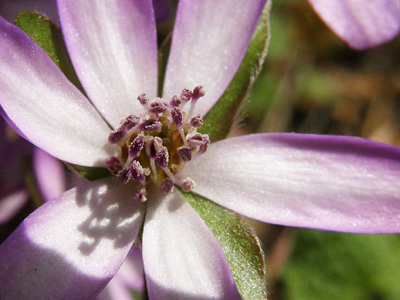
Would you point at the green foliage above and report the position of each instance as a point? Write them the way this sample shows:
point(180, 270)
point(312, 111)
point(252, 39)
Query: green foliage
point(331, 266)
point(238, 242)
point(49, 37)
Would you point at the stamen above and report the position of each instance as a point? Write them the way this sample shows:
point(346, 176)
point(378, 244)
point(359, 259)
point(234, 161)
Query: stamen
point(185, 153)
point(186, 95)
point(129, 122)
point(143, 99)
point(153, 146)
point(150, 125)
point(175, 101)
point(162, 158)
point(137, 172)
point(136, 146)
point(116, 136)
point(196, 121)
point(124, 175)
point(166, 186)
point(158, 106)
point(194, 139)
point(188, 185)
point(198, 92)
point(113, 165)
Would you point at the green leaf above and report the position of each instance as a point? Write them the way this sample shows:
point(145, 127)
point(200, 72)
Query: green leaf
point(91, 173)
point(221, 117)
point(238, 242)
point(330, 266)
point(49, 37)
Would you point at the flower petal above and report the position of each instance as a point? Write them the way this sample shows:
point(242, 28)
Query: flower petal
point(129, 277)
point(49, 174)
point(71, 246)
point(361, 24)
point(321, 182)
point(113, 47)
point(44, 105)
point(9, 9)
point(182, 259)
point(11, 204)
point(209, 41)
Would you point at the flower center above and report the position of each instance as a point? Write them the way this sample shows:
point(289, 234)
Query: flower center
point(156, 145)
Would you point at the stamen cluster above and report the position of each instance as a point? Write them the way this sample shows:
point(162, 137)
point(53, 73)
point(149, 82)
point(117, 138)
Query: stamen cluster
point(156, 145)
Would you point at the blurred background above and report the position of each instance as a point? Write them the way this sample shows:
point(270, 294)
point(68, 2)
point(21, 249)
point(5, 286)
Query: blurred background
point(312, 82)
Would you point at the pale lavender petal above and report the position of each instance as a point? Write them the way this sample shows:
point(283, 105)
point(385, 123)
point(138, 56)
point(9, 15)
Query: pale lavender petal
point(182, 259)
point(44, 105)
point(9, 9)
point(209, 41)
point(49, 174)
point(322, 182)
point(10, 205)
point(129, 277)
point(113, 47)
point(361, 24)
point(70, 247)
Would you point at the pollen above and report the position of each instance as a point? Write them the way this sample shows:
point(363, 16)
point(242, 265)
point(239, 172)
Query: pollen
point(154, 147)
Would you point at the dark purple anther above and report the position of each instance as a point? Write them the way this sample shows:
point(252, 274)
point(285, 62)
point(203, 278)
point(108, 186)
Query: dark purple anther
point(113, 165)
point(175, 102)
point(194, 139)
point(116, 136)
point(129, 122)
point(137, 172)
point(124, 175)
point(186, 95)
point(166, 186)
point(150, 125)
point(204, 146)
point(162, 158)
point(177, 116)
point(136, 146)
point(196, 121)
point(198, 92)
point(143, 99)
point(158, 106)
point(185, 153)
point(153, 146)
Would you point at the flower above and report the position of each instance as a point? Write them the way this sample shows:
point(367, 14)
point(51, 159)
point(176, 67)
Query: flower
point(361, 24)
point(48, 171)
point(78, 241)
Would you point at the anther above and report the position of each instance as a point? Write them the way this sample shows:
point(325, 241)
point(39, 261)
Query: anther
point(153, 146)
point(194, 139)
point(185, 153)
point(162, 158)
point(177, 116)
point(116, 136)
point(188, 185)
point(166, 186)
point(113, 165)
point(143, 99)
point(136, 146)
point(150, 125)
point(124, 175)
point(186, 95)
point(158, 106)
point(198, 92)
point(137, 172)
point(204, 146)
point(175, 101)
point(196, 121)
point(129, 122)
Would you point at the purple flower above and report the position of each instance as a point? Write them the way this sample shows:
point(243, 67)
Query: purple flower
point(49, 173)
point(73, 245)
point(361, 24)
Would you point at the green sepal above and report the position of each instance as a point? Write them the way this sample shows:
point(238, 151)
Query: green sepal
point(91, 173)
point(219, 120)
point(240, 245)
point(48, 36)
